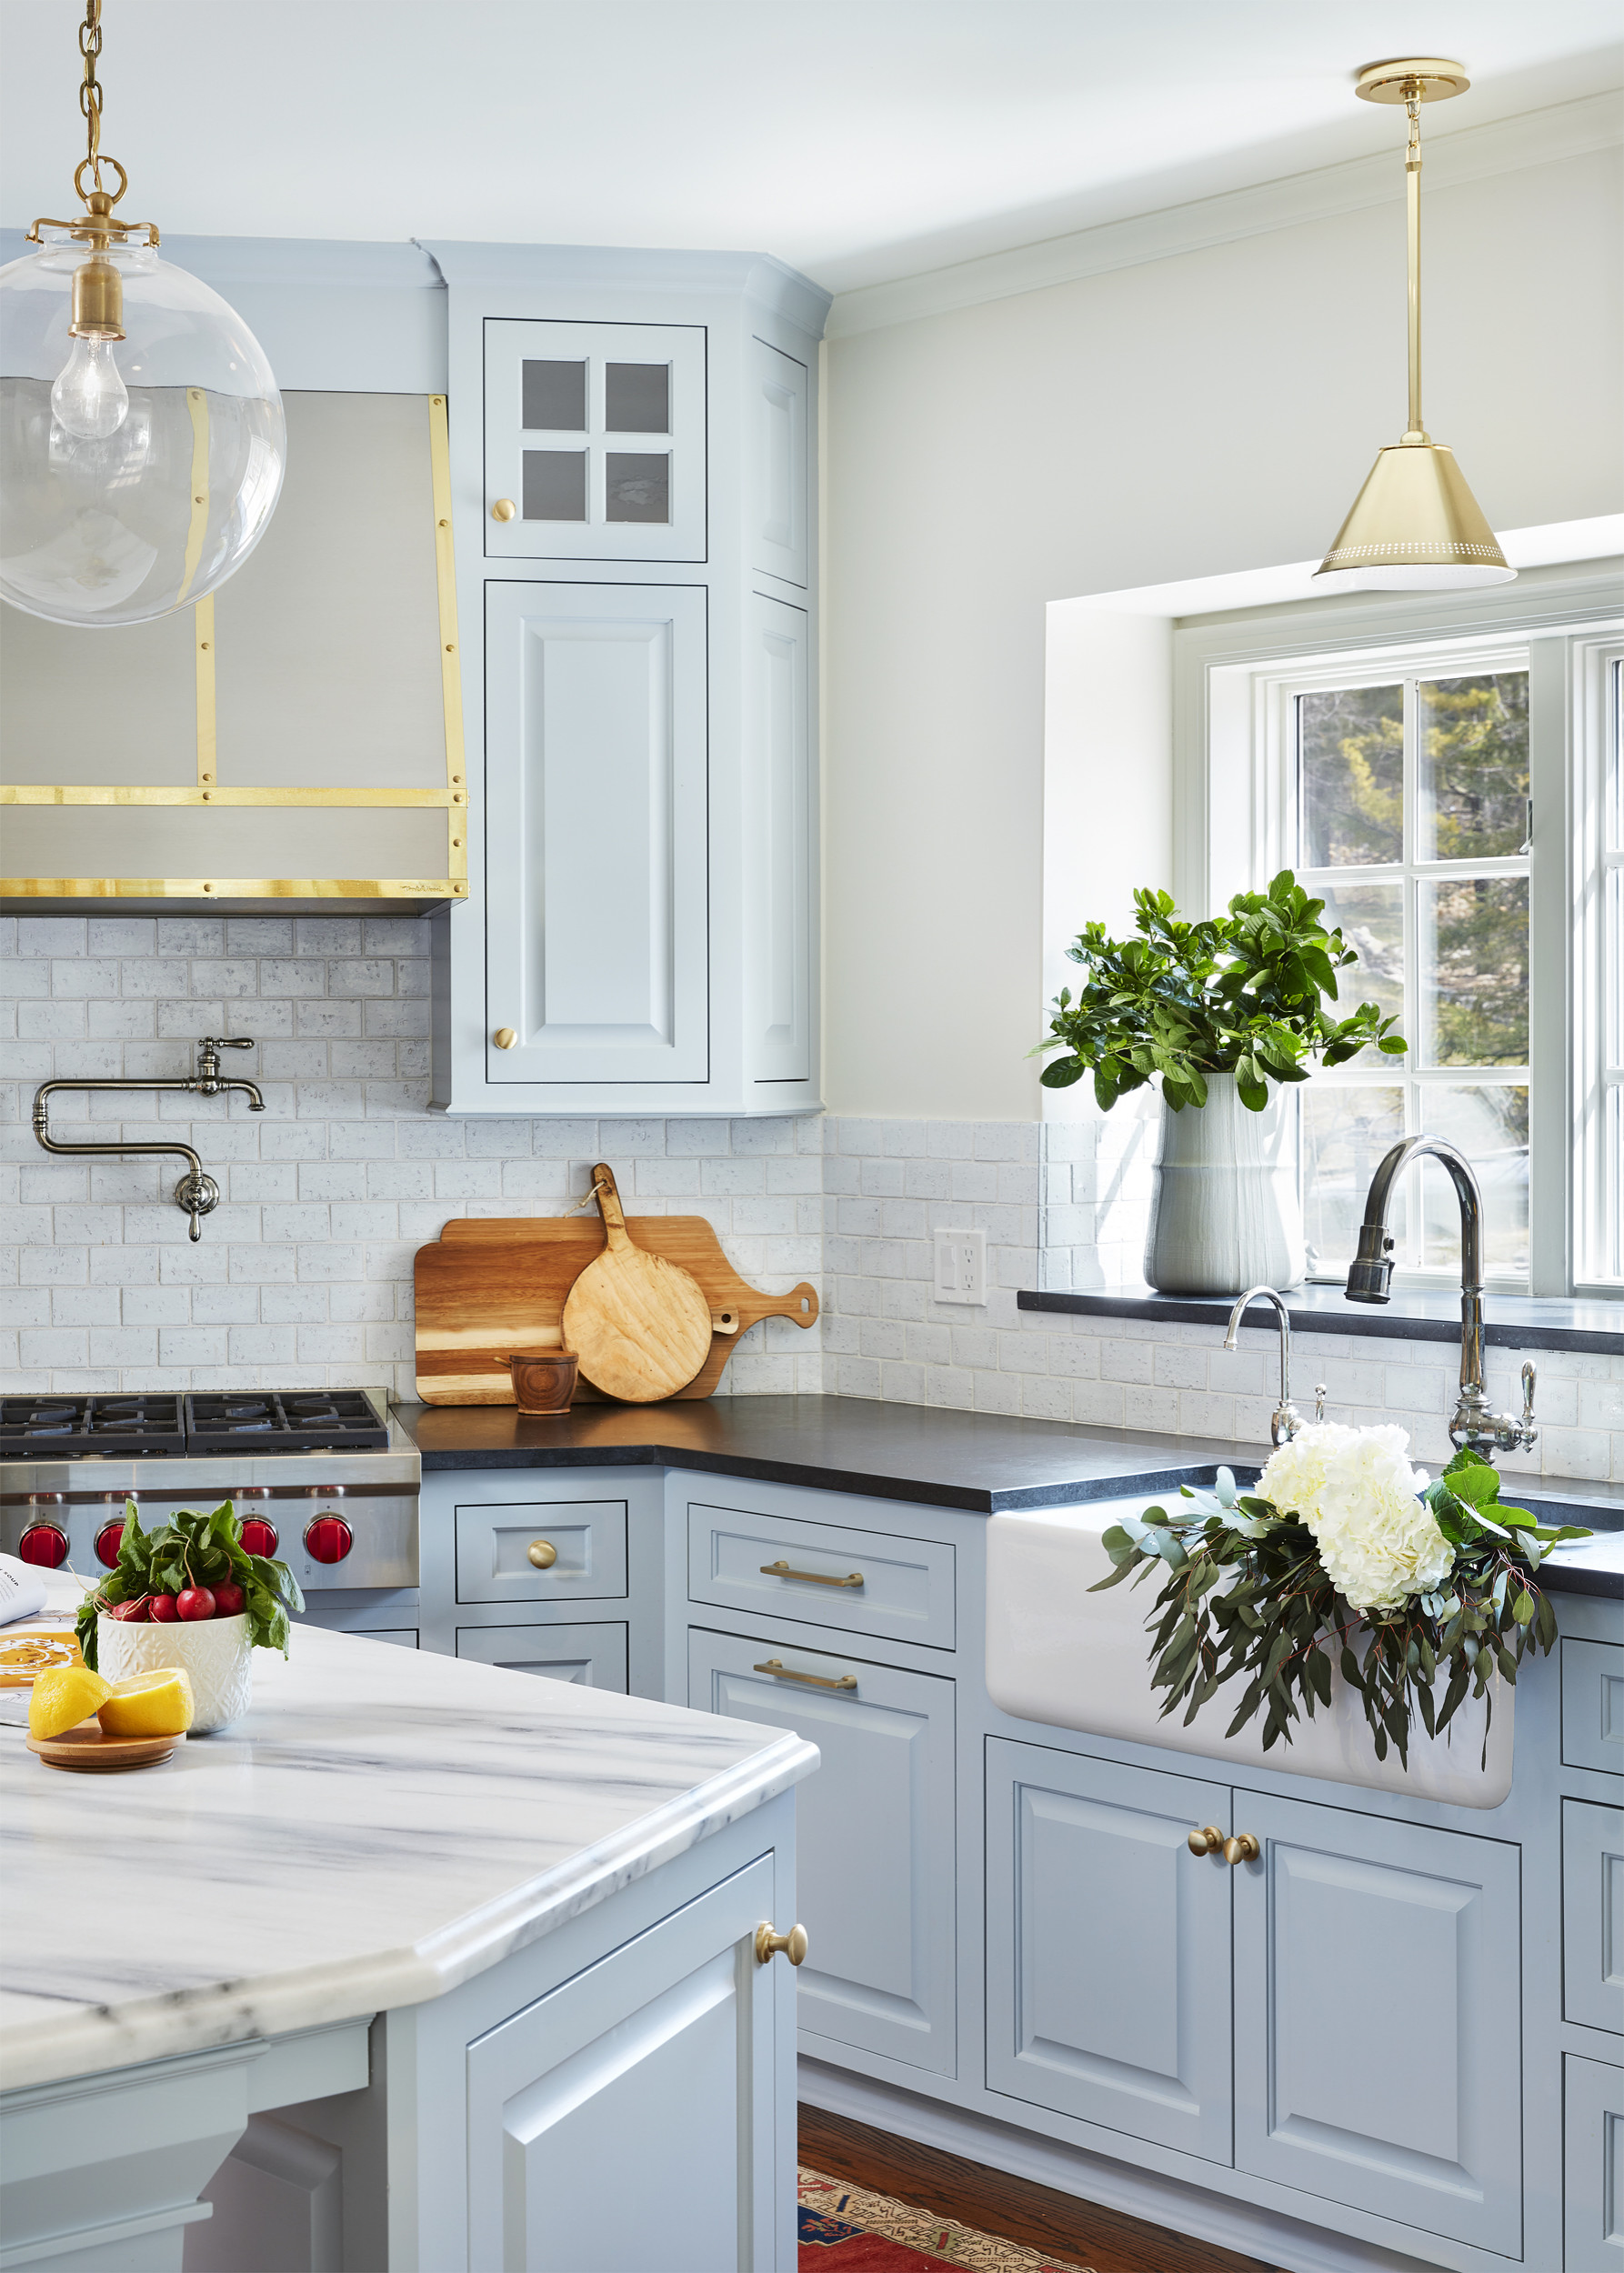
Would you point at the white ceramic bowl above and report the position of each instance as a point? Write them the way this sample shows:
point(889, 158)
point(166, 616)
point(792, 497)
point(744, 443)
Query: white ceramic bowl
point(215, 1652)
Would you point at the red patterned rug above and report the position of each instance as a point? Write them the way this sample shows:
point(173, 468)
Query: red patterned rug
point(846, 2230)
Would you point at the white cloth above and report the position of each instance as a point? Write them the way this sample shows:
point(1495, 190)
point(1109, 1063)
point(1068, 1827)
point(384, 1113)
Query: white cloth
point(22, 1590)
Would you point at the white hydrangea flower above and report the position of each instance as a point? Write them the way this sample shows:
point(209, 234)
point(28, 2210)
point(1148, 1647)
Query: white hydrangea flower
point(1357, 1492)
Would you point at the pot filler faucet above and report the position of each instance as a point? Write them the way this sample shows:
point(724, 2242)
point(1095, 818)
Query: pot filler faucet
point(198, 1194)
point(1476, 1425)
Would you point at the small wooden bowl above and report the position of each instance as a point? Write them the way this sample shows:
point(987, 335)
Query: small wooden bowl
point(545, 1381)
point(86, 1747)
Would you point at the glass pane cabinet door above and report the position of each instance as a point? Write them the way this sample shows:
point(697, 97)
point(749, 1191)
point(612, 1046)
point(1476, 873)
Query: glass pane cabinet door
point(593, 441)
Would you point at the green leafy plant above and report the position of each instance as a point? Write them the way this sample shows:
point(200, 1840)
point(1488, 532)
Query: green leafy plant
point(1241, 993)
point(1281, 1625)
point(191, 1549)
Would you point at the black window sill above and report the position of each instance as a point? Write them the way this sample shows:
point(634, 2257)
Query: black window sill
point(1514, 1321)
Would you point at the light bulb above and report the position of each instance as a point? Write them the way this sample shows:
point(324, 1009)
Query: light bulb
point(89, 400)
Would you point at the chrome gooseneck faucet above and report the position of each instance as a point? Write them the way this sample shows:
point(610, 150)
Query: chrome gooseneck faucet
point(1285, 1420)
point(196, 1192)
point(1476, 1425)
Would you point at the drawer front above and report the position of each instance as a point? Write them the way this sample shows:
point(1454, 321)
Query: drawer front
point(1593, 1915)
point(494, 1551)
point(860, 1582)
point(594, 1655)
point(1593, 2160)
point(1593, 1705)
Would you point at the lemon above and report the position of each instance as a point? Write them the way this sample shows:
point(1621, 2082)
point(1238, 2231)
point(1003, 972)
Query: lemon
point(63, 1696)
point(155, 1704)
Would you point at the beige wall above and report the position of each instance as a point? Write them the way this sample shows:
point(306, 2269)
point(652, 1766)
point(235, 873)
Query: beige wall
point(1192, 416)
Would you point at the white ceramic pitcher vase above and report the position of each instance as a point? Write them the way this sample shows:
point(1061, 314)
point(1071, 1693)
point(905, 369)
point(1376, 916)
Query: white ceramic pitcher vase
point(1224, 1208)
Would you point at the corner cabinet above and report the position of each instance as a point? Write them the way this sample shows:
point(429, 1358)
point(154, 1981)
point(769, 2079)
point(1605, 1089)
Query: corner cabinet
point(633, 494)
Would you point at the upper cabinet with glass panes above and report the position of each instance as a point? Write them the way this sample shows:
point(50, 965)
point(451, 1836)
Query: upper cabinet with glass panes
point(595, 441)
point(1413, 825)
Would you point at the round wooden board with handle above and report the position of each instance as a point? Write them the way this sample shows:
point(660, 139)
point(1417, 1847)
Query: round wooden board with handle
point(640, 1325)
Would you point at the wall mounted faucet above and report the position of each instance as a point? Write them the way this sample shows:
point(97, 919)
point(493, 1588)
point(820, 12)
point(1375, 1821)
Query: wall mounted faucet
point(196, 1192)
point(1476, 1425)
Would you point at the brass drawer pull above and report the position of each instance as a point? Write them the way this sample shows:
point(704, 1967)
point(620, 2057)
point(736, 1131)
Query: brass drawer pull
point(813, 1578)
point(781, 1672)
point(1243, 1850)
point(542, 1553)
point(767, 1943)
point(1206, 1841)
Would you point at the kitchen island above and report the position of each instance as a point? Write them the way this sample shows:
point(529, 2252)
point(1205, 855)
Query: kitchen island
point(413, 1951)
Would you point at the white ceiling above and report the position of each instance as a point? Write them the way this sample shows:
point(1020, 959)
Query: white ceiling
point(859, 140)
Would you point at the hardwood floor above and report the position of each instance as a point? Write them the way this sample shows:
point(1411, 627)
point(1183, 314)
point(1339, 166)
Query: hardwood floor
point(1080, 2232)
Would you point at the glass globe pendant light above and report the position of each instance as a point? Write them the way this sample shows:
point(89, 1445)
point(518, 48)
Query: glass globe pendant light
point(1415, 525)
point(142, 438)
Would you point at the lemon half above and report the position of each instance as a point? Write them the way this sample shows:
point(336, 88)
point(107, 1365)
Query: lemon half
point(63, 1696)
point(155, 1704)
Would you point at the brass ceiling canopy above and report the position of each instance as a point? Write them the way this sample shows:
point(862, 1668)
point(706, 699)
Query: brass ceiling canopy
point(1415, 525)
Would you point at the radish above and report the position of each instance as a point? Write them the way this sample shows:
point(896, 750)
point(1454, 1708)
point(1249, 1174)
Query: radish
point(194, 1603)
point(131, 1613)
point(163, 1612)
point(229, 1599)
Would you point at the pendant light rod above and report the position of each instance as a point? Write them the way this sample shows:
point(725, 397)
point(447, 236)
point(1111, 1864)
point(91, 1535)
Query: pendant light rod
point(1412, 193)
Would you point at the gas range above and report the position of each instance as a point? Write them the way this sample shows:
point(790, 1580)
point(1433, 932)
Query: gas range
point(323, 1479)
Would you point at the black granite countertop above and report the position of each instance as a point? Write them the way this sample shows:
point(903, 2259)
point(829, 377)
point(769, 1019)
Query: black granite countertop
point(983, 1462)
point(1513, 1321)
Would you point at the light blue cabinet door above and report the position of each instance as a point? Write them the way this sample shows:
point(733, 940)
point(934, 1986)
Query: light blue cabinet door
point(1593, 2167)
point(874, 1866)
point(779, 867)
point(625, 2120)
point(1378, 2031)
point(1108, 1946)
point(1593, 1915)
point(596, 832)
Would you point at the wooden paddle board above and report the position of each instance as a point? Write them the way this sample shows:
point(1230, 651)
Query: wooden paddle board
point(639, 1323)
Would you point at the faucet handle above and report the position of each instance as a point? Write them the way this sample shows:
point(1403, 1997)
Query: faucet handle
point(1530, 1377)
point(228, 1042)
point(1319, 1393)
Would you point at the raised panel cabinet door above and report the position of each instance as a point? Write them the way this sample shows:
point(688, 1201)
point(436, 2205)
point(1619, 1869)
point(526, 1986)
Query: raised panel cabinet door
point(595, 438)
point(596, 833)
point(625, 2120)
point(778, 505)
point(594, 1655)
point(1593, 1915)
point(1593, 2167)
point(1593, 1705)
point(1108, 1946)
point(778, 840)
point(874, 1842)
point(1378, 2029)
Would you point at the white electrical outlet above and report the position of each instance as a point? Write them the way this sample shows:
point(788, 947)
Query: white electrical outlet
point(960, 1266)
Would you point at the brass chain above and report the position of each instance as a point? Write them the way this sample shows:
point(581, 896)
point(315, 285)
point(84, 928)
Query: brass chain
point(90, 90)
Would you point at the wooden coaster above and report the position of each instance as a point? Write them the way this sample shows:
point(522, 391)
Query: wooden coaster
point(27, 1651)
point(85, 1747)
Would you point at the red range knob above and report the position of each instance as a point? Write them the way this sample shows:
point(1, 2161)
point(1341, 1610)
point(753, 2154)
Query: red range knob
point(259, 1538)
point(328, 1538)
point(106, 1542)
point(44, 1544)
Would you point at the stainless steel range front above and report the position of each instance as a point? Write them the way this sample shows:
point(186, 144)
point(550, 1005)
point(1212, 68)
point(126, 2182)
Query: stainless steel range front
point(323, 1479)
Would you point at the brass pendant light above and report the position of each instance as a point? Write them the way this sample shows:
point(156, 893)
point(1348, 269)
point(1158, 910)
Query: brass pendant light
point(1415, 525)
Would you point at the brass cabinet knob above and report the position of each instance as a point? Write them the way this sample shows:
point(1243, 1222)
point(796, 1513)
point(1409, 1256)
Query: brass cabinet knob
point(1242, 1849)
point(505, 1038)
point(504, 509)
point(1206, 1841)
point(542, 1553)
point(768, 1944)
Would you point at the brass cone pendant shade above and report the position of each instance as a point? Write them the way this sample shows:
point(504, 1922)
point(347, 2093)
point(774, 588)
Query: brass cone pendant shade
point(1415, 525)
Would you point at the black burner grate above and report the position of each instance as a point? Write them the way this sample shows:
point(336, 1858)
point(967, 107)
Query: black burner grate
point(70, 1427)
point(306, 1420)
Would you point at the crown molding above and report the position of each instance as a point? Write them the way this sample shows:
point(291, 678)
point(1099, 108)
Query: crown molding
point(1564, 130)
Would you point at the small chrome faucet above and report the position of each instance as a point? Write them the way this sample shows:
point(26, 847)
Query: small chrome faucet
point(1285, 1420)
point(1476, 1425)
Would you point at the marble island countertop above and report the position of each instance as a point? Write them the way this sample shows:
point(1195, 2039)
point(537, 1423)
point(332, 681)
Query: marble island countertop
point(382, 1825)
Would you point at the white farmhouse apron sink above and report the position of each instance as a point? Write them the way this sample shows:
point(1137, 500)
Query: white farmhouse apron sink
point(1059, 1654)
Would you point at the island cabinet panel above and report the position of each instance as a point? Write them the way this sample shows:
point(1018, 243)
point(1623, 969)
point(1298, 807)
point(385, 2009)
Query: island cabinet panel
point(1593, 1915)
point(1593, 2160)
point(595, 1655)
point(625, 2121)
point(874, 1839)
point(1593, 1704)
point(595, 837)
point(1378, 2029)
point(1108, 1940)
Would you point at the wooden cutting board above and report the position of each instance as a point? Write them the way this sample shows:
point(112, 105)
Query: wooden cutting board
point(639, 1323)
point(493, 1286)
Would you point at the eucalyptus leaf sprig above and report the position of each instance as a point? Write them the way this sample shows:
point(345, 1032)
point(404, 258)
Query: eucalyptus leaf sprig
point(1280, 1624)
point(1241, 993)
point(192, 1549)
